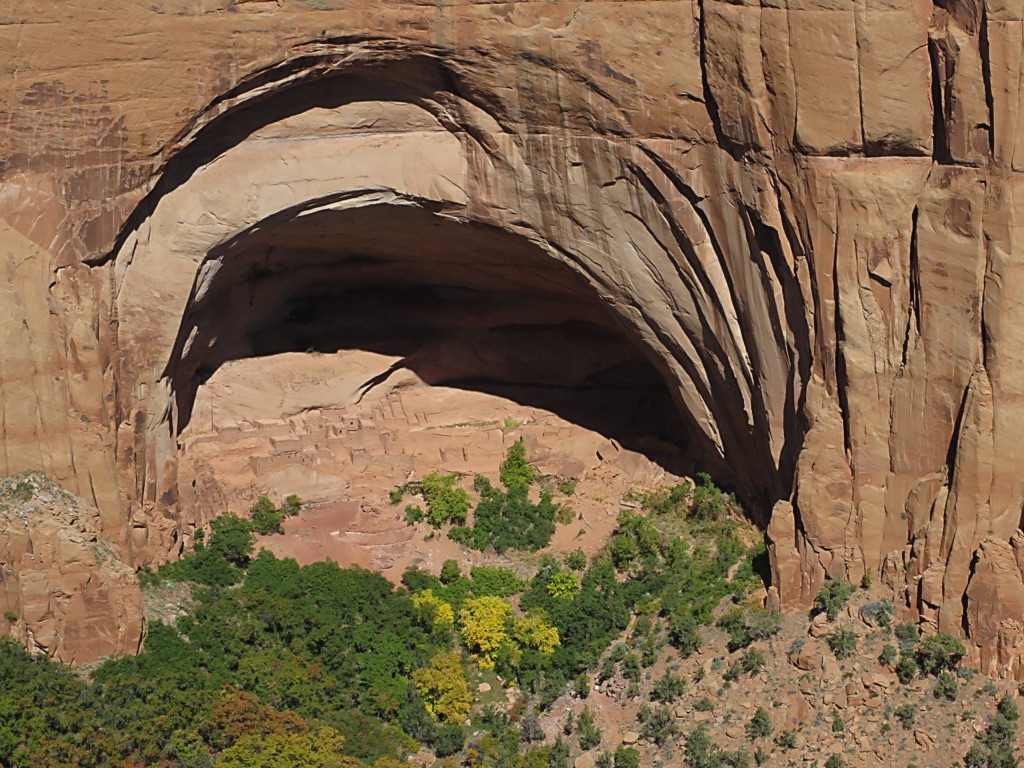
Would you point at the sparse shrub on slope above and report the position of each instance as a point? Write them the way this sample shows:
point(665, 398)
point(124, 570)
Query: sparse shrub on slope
point(995, 747)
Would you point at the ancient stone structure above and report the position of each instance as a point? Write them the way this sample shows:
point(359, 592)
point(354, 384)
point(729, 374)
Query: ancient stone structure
point(799, 222)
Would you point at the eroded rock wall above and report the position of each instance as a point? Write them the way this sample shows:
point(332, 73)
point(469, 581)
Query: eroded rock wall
point(806, 214)
point(64, 590)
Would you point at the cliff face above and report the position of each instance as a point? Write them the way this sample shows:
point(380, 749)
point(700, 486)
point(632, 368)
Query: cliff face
point(805, 217)
point(64, 590)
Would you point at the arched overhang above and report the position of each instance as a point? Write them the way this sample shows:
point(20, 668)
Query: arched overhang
point(381, 126)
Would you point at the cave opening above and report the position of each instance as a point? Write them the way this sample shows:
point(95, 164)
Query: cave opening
point(461, 305)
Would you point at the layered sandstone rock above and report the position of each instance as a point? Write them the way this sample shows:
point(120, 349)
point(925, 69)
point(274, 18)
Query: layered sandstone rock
point(805, 218)
point(64, 589)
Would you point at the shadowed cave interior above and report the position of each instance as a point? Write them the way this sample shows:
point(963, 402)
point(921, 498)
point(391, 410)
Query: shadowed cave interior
point(462, 304)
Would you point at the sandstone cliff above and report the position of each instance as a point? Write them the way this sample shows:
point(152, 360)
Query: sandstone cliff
point(804, 217)
point(64, 590)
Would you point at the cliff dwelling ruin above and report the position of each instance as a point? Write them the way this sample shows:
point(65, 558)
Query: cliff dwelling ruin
point(778, 245)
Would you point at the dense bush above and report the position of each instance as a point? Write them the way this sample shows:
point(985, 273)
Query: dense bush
point(701, 752)
point(745, 625)
point(842, 642)
point(906, 669)
point(786, 739)
point(905, 714)
point(995, 747)
point(508, 520)
point(832, 597)
point(760, 725)
point(668, 688)
point(294, 658)
point(888, 655)
point(939, 652)
point(589, 734)
point(657, 724)
point(906, 634)
point(752, 661)
point(879, 612)
point(626, 757)
point(946, 687)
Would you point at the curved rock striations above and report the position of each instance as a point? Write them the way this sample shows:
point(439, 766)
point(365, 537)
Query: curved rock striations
point(800, 223)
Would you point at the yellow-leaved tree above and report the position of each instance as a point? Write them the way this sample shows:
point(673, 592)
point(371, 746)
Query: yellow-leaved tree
point(309, 749)
point(442, 612)
point(483, 624)
point(563, 584)
point(535, 631)
point(443, 687)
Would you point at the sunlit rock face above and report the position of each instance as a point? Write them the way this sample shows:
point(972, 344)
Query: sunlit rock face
point(784, 241)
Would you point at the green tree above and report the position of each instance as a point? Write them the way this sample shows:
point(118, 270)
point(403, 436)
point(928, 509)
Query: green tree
point(745, 626)
point(838, 725)
point(832, 597)
point(786, 739)
point(497, 582)
point(906, 669)
point(635, 537)
point(946, 686)
point(450, 571)
point(700, 751)
point(266, 518)
point(529, 727)
point(888, 655)
point(906, 634)
point(753, 661)
point(515, 471)
point(534, 631)
point(760, 725)
point(626, 757)
point(905, 714)
point(939, 652)
point(709, 503)
point(658, 724)
point(683, 632)
point(446, 502)
point(449, 740)
point(588, 732)
point(668, 688)
point(576, 560)
point(842, 642)
point(564, 584)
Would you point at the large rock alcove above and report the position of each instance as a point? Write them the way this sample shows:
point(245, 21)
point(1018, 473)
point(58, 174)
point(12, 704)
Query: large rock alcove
point(800, 226)
point(382, 208)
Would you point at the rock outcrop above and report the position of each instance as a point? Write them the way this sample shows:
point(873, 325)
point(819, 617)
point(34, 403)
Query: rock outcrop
point(804, 219)
point(63, 587)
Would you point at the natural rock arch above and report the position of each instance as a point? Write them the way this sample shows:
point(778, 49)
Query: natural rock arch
point(377, 125)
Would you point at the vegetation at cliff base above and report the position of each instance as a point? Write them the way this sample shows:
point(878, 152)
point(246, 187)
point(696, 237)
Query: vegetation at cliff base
point(319, 665)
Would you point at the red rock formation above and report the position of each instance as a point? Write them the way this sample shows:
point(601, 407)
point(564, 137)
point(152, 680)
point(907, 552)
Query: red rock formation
point(805, 219)
point(63, 587)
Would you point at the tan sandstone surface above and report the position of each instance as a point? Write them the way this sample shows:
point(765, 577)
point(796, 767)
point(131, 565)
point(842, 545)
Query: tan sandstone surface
point(63, 587)
point(798, 222)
